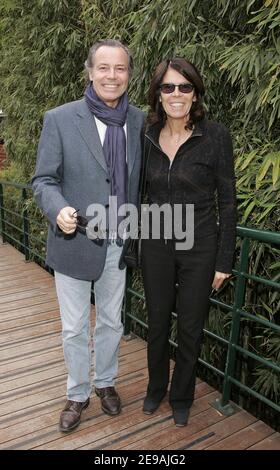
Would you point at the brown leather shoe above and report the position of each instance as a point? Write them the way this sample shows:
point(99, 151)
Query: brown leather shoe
point(70, 417)
point(110, 400)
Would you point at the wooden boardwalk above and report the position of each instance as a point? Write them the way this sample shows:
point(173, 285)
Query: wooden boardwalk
point(33, 377)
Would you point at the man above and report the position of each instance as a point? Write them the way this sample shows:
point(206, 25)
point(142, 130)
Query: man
point(89, 150)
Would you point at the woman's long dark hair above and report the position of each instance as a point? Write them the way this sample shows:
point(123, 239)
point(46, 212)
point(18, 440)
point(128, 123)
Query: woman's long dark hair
point(190, 72)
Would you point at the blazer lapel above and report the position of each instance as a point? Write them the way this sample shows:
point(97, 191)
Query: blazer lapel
point(87, 127)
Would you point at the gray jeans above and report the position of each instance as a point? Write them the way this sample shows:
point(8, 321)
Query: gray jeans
point(74, 301)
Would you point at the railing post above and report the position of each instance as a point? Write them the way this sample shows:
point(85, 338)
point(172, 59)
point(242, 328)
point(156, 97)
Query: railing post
point(25, 228)
point(222, 404)
point(127, 305)
point(2, 213)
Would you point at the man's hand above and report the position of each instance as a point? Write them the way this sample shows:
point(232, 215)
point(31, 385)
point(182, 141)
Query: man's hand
point(219, 279)
point(66, 220)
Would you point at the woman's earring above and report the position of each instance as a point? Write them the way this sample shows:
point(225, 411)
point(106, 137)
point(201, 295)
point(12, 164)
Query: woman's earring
point(159, 99)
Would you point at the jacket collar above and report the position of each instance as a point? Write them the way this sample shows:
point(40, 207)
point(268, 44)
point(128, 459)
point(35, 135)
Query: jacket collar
point(153, 131)
point(88, 130)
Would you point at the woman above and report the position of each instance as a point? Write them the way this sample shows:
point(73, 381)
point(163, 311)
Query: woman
point(189, 161)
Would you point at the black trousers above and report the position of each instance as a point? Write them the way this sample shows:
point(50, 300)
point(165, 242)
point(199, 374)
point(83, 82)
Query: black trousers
point(164, 266)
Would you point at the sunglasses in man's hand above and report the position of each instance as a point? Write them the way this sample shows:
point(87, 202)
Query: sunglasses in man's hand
point(83, 227)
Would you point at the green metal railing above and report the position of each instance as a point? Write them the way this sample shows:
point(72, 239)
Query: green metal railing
point(237, 310)
point(18, 226)
point(238, 313)
point(15, 220)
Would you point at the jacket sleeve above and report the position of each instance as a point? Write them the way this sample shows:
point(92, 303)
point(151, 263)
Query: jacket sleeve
point(226, 193)
point(46, 182)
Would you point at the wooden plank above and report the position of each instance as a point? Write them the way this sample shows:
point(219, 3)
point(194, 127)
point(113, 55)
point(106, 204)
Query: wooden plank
point(30, 400)
point(49, 326)
point(29, 365)
point(38, 345)
point(128, 347)
point(29, 405)
point(8, 250)
point(245, 438)
point(25, 268)
point(33, 384)
point(163, 415)
point(28, 321)
point(38, 432)
point(46, 343)
point(54, 399)
point(7, 298)
point(166, 437)
point(216, 432)
point(8, 263)
point(22, 274)
point(19, 374)
point(20, 285)
point(160, 421)
point(100, 427)
point(44, 306)
point(270, 443)
point(30, 300)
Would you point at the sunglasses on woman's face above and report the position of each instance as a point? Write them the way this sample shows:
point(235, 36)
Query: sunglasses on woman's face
point(170, 87)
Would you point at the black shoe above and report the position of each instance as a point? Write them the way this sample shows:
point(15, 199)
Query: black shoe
point(181, 417)
point(150, 405)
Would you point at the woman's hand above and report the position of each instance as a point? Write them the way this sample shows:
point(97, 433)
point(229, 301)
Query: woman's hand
point(219, 279)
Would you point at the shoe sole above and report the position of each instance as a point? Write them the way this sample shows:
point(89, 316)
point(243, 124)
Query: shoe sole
point(74, 425)
point(182, 421)
point(148, 412)
point(151, 411)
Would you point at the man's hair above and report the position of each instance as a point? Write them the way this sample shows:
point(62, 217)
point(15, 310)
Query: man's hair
point(111, 43)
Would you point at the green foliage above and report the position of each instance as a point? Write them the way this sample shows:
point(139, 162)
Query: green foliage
point(41, 45)
point(258, 185)
point(13, 172)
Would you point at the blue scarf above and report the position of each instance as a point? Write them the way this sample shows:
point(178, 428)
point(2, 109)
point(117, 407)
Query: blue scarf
point(114, 146)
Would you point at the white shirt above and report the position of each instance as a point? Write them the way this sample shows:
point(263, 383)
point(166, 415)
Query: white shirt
point(101, 128)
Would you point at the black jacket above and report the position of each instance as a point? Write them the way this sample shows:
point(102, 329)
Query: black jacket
point(202, 174)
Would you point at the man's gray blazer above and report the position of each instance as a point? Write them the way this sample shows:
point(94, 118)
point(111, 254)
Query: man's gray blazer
point(71, 171)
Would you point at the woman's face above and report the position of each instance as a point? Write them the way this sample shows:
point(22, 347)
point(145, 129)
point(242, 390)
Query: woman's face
point(177, 104)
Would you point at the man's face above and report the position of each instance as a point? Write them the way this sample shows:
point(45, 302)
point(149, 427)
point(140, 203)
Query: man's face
point(109, 74)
